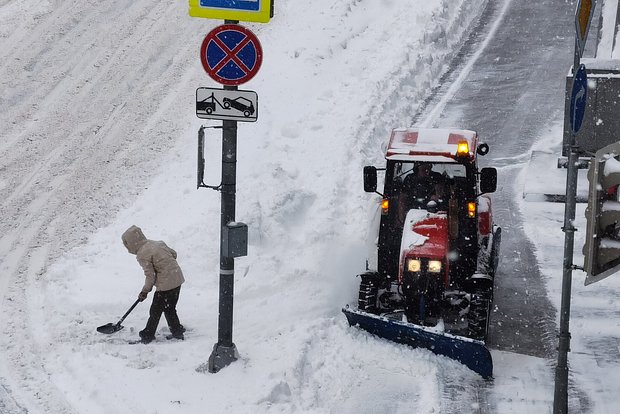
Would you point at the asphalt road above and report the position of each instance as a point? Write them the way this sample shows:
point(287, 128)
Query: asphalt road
point(521, 53)
point(512, 92)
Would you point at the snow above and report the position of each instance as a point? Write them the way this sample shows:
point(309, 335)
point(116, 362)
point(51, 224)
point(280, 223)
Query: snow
point(99, 97)
point(606, 41)
point(607, 243)
point(411, 238)
point(594, 327)
point(418, 143)
point(484, 204)
point(610, 206)
point(612, 165)
point(434, 114)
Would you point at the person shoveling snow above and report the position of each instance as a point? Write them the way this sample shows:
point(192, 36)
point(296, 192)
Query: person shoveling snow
point(162, 271)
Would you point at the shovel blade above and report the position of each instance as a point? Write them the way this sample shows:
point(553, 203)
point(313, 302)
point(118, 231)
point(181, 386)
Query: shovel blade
point(110, 328)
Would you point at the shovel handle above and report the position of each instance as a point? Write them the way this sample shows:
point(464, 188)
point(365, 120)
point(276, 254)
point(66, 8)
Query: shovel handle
point(129, 311)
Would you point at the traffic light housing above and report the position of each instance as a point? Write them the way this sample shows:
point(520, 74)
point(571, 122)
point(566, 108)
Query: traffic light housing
point(602, 245)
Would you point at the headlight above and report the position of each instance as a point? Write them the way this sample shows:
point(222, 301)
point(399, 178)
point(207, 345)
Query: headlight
point(414, 265)
point(434, 266)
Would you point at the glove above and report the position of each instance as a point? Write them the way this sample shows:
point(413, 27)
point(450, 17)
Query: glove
point(142, 296)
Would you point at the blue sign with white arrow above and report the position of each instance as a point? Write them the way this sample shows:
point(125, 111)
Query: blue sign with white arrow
point(578, 97)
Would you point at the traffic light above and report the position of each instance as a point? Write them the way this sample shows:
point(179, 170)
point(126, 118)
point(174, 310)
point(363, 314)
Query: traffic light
point(602, 245)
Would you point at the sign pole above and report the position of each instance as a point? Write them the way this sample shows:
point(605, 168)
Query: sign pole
point(577, 109)
point(583, 17)
point(225, 351)
point(560, 399)
point(231, 55)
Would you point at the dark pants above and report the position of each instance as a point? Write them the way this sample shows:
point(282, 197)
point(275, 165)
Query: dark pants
point(163, 302)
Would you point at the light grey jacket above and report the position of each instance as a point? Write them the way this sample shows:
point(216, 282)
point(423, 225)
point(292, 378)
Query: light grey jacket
point(157, 260)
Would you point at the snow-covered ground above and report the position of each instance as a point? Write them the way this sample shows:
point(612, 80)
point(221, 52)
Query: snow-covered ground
point(609, 35)
point(594, 322)
point(328, 73)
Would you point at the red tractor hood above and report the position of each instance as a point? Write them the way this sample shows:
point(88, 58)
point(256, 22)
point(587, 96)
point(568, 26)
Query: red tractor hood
point(425, 235)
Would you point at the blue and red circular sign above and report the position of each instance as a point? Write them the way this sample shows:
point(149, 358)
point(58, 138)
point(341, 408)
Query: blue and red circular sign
point(231, 54)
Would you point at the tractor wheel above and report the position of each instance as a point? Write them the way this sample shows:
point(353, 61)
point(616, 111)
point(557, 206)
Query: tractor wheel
point(367, 301)
point(478, 317)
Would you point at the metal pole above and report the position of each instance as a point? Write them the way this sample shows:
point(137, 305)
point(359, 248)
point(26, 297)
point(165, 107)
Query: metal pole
point(560, 400)
point(560, 397)
point(225, 351)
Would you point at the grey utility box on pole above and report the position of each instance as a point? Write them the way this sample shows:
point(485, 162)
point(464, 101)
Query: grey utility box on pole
point(235, 240)
point(601, 124)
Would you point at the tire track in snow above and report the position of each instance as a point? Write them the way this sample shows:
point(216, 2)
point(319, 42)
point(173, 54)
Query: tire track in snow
point(457, 395)
point(365, 374)
point(7, 404)
point(70, 133)
point(396, 100)
point(401, 98)
point(21, 356)
point(491, 14)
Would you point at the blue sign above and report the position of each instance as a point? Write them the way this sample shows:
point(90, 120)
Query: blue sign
point(246, 5)
point(578, 97)
point(231, 54)
point(242, 10)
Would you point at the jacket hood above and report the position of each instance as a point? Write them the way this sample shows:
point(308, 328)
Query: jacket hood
point(133, 239)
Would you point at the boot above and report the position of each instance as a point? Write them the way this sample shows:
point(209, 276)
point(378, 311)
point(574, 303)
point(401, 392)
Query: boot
point(144, 338)
point(177, 333)
point(178, 336)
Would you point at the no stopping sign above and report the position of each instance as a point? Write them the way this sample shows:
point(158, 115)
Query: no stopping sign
point(231, 54)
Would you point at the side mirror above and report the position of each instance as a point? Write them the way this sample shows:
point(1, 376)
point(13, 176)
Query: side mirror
point(488, 180)
point(483, 149)
point(370, 179)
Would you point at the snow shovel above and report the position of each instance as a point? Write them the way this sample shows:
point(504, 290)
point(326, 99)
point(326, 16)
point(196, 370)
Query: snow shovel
point(110, 328)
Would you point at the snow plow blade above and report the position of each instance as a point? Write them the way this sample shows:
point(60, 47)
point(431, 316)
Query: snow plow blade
point(469, 352)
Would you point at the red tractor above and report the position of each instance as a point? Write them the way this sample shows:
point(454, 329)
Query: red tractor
point(435, 248)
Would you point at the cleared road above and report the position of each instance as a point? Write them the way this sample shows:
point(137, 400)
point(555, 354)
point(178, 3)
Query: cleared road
point(511, 93)
point(508, 84)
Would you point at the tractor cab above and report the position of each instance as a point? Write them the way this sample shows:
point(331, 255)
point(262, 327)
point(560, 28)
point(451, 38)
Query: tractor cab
point(433, 170)
point(434, 214)
point(434, 248)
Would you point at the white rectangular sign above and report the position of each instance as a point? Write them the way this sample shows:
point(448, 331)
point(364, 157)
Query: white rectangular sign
point(229, 105)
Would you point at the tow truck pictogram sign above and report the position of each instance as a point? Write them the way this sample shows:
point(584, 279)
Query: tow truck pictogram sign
point(223, 104)
point(231, 54)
